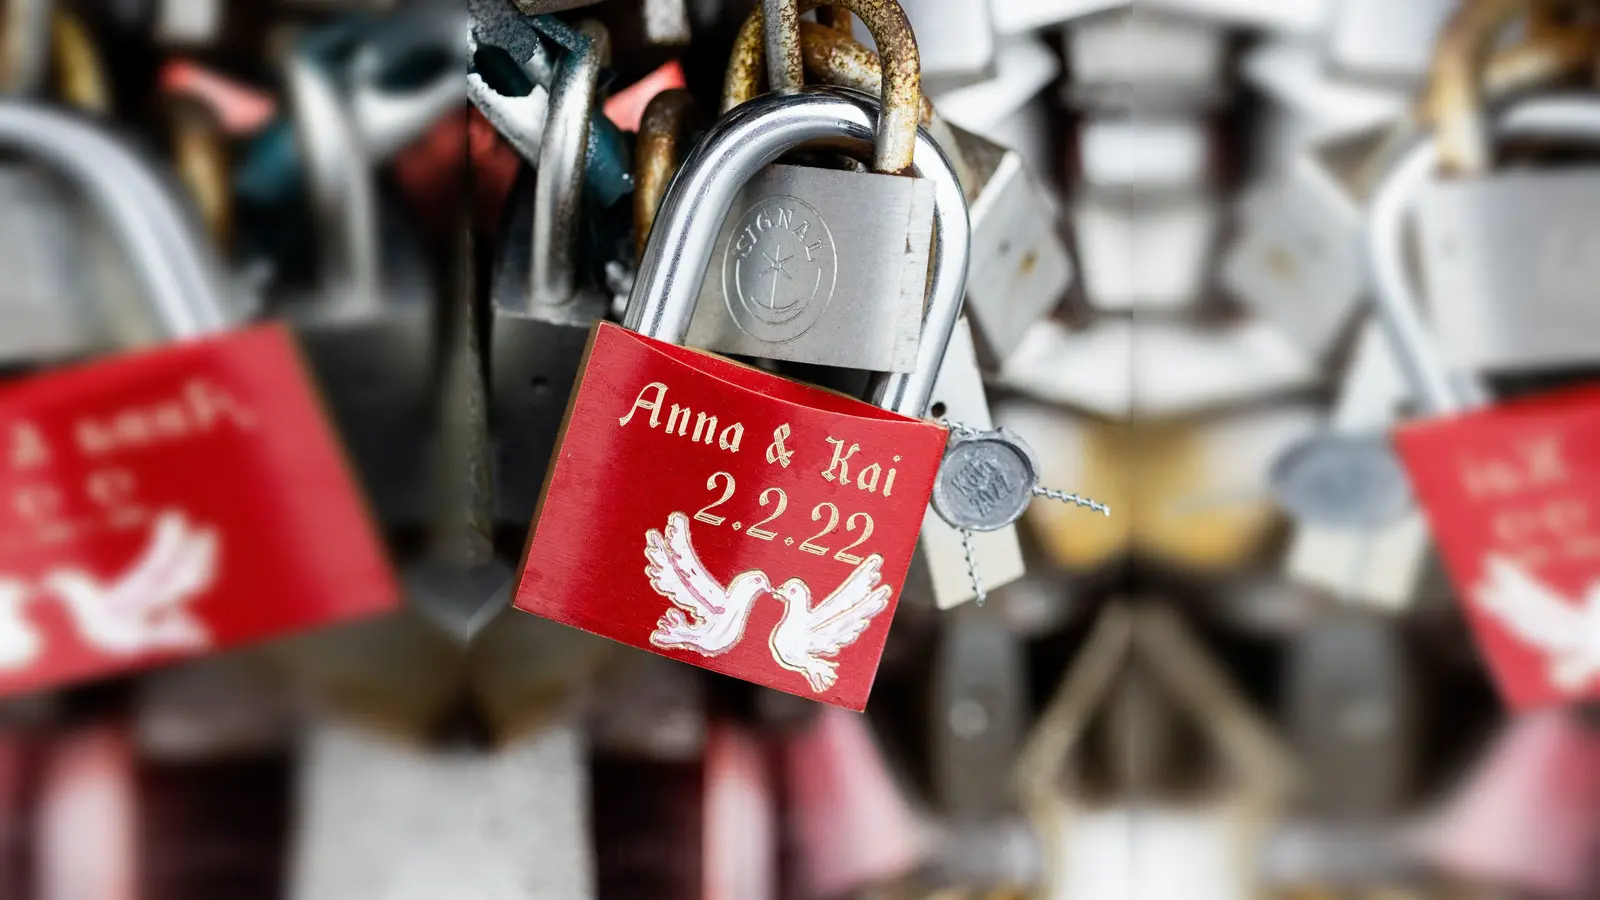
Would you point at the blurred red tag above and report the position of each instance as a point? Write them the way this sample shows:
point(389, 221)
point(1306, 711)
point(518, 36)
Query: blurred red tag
point(626, 107)
point(1513, 497)
point(242, 110)
point(172, 503)
point(729, 518)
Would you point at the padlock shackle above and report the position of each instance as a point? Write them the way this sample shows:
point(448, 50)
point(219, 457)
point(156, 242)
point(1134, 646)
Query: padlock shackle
point(182, 280)
point(344, 198)
point(558, 183)
point(388, 119)
point(756, 134)
point(902, 76)
point(1435, 388)
point(663, 138)
point(1468, 72)
point(780, 30)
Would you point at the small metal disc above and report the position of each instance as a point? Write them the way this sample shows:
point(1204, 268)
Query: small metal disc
point(1342, 481)
point(986, 480)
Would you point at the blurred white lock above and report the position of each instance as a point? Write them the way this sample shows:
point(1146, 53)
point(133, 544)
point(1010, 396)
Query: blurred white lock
point(1123, 57)
point(1145, 155)
point(1292, 75)
point(1385, 567)
point(1146, 253)
point(1383, 39)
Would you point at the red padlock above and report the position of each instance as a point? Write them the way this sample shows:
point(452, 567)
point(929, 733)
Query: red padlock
point(1512, 492)
point(721, 515)
point(175, 501)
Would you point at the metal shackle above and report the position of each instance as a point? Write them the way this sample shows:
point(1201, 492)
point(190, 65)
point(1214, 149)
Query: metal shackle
point(901, 70)
point(1468, 71)
point(558, 182)
point(735, 149)
point(663, 138)
point(1435, 388)
point(181, 279)
point(388, 119)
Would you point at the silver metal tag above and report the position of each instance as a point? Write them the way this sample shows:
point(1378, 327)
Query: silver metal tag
point(986, 480)
point(810, 267)
point(1342, 481)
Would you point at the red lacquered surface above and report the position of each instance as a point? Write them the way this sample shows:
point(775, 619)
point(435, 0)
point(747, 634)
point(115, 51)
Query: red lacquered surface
point(172, 503)
point(1512, 494)
point(620, 481)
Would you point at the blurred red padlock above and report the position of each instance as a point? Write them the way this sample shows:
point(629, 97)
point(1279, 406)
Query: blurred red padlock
point(1512, 492)
point(175, 501)
point(693, 500)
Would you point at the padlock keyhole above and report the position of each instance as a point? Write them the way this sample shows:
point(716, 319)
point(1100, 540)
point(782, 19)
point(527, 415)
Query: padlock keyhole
point(937, 410)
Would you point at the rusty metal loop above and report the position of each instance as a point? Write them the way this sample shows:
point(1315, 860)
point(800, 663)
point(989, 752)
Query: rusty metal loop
point(780, 29)
point(1467, 71)
point(200, 156)
point(901, 94)
point(836, 58)
point(838, 19)
point(80, 70)
point(663, 132)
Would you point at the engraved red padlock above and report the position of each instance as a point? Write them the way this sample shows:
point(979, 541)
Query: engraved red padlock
point(721, 515)
point(169, 502)
point(1511, 491)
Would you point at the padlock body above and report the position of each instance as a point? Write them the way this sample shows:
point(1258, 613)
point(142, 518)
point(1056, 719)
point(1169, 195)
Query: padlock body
point(376, 377)
point(820, 266)
point(753, 491)
point(1020, 267)
point(1512, 494)
point(171, 503)
point(533, 365)
point(1513, 267)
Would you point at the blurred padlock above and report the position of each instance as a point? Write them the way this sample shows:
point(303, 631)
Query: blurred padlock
point(1377, 40)
point(1386, 566)
point(1144, 253)
point(542, 303)
point(978, 709)
point(1208, 843)
point(955, 40)
point(370, 325)
point(88, 798)
point(1144, 59)
point(1504, 488)
point(823, 266)
point(1513, 252)
point(1352, 708)
point(153, 512)
point(370, 824)
point(1145, 154)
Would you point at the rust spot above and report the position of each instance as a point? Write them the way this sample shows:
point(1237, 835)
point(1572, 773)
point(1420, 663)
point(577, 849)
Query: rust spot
point(1029, 262)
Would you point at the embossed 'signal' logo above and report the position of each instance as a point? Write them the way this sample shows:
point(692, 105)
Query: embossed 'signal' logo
point(779, 269)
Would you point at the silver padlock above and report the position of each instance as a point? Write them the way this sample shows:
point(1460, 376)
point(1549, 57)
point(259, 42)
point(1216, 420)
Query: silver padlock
point(541, 306)
point(824, 266)
point(368, 329)
point(1167, 154)
point(681, 247)
point(1146, 60)
point(978, 713)
point(1513, 258)
point(1296, 17)
point(1376, 39)
point(1144, 253)
point(1350, 708)
point(1021, 269)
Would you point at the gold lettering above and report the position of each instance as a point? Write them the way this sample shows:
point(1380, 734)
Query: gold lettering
point(654, 406)
point(840, 461)
point(776, 451)
point(888, 483)
point(28, 448)
point(731, 436)
point(1544, 462)
point(672, 420)
point(868, 485)
point(709, 424)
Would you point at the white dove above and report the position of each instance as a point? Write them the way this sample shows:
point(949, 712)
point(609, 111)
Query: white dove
point(144, 609)
point(716, 616)
point(19, 641)
point(1569, 634)
point(804, 635)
